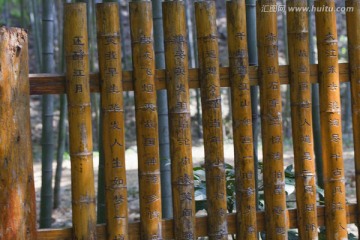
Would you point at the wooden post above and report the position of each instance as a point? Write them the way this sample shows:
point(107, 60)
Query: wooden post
point(271, 122)
point(205, 13)
point(353, 17)
point(176, 56)
point(330, 115)
point(300, 92)
point(146, 119)
point(17, 192)
point(242, 122)
point(113, 134)
point(78, 94)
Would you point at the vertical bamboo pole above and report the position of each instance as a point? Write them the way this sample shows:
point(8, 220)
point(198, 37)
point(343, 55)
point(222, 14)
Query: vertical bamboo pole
point(300, 93)
point(271, 122)
point(205, 14)
point(146, 119)
point(330, 115)
point(80, 131)
point(242, 122)
point(113, 131)
point(17, 192)
point(353, 18)
point(176, 56)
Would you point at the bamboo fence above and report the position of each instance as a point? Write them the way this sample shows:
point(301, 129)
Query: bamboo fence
point(177, 65)
point(330, 115)
point(113, 128)
point(146, 119)
point(300, 94)
point(80, 127)
point(271, 123)
point(177, 78)
point(242, 120)
point(208, 51)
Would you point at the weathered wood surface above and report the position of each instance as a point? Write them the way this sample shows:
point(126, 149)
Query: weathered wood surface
point(242, 121)
point(301, 117)
point(330, 115)
point(80, 128)
point(201, 225)
point(55, 83)
point(17, 192)
point(113, 128)
point(182, 177)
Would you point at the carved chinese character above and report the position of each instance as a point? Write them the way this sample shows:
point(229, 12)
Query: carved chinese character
point(240, 35)
point(77, 41)
point(78, 55)
point(111, 71)
point(151, 198)
point(78, 73)
point(116, 143)
point(331, 53)
point(78, 88)
point(149, 142)
point(110, 55)
point(331, 69)
point(306, 156)
point(116, 163)
point(110, 40)
point(335, 138)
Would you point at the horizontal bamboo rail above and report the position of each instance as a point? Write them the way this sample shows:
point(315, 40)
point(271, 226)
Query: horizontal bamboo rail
point(55, 83)
point(201, 225)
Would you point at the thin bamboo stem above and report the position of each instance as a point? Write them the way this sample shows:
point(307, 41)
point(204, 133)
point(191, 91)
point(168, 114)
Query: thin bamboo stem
point(113, 129)
point(301, 116)
point(330, 115)
point(208, 51)
point(176, 55)
point(271, 122)
point(17, 192)
point(80, 130)
point(146, 119)
point(242, 120)
point(352, 18)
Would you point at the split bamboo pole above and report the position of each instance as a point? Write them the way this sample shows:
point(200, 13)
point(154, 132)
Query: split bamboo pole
point(242, 120)
point(17, 192)
point(330, 115)
point(271, 122)
point(353, 18)
point(208, 52)
point(301, 116)
point(177, 73)
point(80, 130)
point(113, 129)
point(146, 119)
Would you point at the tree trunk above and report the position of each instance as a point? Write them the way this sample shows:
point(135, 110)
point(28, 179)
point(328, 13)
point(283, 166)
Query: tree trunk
point(17, 198)
point(47, 116)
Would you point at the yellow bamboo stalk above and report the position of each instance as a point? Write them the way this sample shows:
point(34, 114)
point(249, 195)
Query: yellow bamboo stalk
point(113, 131)
point(271, 122)
point(146, 119)
point(176, 55)
point(78, 93)
point(300, 91)
point(17, 192)
point(205, 13)
point(353, 18)
point(242, 124)
point(330, 115)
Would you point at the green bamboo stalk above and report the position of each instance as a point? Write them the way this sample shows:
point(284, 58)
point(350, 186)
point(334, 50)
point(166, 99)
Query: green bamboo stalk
point(253, 61)
point(164, 142)
point(48, 66)
point(63, 110)
point(315, 106)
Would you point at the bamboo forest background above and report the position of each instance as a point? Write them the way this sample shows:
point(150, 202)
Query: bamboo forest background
point(44, 22)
